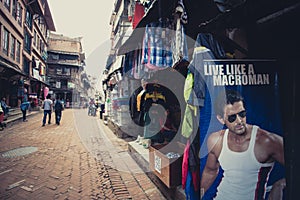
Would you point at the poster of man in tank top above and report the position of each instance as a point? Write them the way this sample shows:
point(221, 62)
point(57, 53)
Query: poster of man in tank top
point(241, 134)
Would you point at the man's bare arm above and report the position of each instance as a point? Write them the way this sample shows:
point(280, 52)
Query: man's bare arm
point(209, 174)
point(212, 165)
point(277, 190)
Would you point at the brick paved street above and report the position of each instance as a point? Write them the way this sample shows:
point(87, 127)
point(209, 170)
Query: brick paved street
point(80, 159)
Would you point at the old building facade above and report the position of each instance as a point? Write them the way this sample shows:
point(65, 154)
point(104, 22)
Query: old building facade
point(24, 28)
point(66, 62)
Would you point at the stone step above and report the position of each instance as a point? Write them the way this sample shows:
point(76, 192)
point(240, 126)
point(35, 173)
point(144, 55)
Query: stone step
point(15, 114)
point(14, 111)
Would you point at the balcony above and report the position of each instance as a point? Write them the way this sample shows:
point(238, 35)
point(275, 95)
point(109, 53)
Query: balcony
point(38, 6)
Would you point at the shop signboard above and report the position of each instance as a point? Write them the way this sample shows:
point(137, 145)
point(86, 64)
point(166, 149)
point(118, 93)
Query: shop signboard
point(257, 81)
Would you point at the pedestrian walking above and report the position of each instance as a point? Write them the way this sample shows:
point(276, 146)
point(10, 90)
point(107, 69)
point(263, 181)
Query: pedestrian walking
point(47, 106)
point(102, 110)
point(24, 107)
point(58, 107)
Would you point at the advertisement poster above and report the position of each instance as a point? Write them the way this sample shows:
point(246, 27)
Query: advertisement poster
point(256, 81)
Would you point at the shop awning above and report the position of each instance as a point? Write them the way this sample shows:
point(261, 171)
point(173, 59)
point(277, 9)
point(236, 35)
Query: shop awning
point(117, 64)
point(196, 11)
point(158, 9)
point(10, 72)
point(204, 16)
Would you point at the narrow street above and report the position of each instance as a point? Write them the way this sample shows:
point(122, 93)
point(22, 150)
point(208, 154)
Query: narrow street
point(80, 159)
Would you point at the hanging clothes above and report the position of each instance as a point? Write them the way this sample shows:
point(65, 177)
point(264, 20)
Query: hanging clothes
point(179, 44)
point(139, 12)
point(206, 48)
point(128, 63)
point(155, 95)
point(207, 40)
point(191, 170)
point(139, 98)
point(157, 45)
point(154, 108)
point(140, 102)
point(197, 97)
point(194, 162)
point(195, 67)
point(180, 9)
point(196, 90)
point(185, 164)
point(190, 121)
point(188, 93)
point(191, 115)
point(190, 192)
point(134, 113)
point(131, 7)
point(147, 4)
point(139, 69)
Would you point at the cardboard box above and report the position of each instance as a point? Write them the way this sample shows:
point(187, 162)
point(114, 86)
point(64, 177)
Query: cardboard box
point(168, 170)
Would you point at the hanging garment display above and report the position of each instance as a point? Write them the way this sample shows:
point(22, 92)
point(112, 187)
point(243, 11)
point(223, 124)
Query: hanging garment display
point(157, 45)
point(131, 7)
point(128, 63)
point(207, 40)
point(138, 67)
point(179, 44)
point(191, 163)
point(206, 47)
point(195, 95)
point(133, 105)
point(180, 9)
point(139, 12)
point(154, 108)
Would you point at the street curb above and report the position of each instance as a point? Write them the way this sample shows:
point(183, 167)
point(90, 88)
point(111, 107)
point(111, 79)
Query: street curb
point(11, 122)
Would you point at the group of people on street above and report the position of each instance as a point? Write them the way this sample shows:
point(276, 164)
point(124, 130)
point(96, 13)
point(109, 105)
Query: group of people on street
point(4, 109)
point(48, 106)
point(93, 106)
point(242, 150)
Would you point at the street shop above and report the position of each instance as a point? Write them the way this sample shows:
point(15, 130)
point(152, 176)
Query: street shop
point(188, 52)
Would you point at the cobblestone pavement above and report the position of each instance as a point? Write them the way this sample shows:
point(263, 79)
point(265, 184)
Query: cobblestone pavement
point(80, 159)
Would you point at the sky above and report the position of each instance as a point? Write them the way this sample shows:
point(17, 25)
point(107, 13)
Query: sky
point(88, 19)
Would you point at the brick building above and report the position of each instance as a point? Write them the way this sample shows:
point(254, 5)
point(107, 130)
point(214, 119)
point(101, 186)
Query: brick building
point(24, 28)
point(66, 68)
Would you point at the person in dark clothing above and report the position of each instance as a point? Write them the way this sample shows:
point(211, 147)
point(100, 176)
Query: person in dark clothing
point(24, 107)
point(102, 110)
point(58, 107)
point(4, 106)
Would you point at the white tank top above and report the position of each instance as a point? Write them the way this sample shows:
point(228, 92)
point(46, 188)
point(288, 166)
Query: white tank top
point(244, 177)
